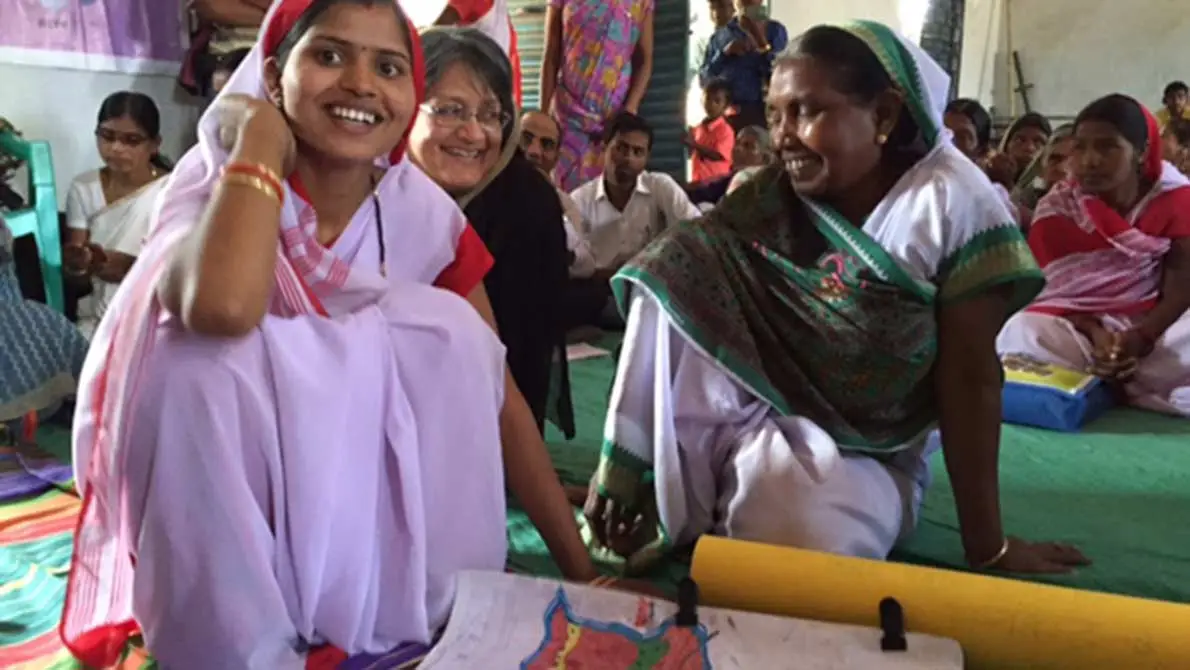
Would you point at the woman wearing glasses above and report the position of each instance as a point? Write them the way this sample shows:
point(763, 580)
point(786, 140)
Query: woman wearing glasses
point(108, 210)
point(465, 139)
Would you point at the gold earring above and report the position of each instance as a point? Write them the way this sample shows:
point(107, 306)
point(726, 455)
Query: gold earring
point(881, 139)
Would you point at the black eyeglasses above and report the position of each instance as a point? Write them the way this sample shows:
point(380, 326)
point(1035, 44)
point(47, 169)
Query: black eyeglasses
point(453, 115)
point(114, 136)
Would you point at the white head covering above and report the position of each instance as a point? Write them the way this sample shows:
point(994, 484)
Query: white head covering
point(925, 84)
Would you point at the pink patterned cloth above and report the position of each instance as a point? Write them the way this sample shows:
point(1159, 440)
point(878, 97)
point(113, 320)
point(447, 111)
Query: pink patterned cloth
point(1098, 262)
point(598, 40)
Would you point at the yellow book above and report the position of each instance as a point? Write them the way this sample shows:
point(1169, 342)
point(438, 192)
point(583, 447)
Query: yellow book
point(1020, 369)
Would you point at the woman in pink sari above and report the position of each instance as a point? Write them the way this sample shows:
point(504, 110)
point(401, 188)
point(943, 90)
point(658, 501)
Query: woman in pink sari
point(597, 63)
point(290, 422)
point(1114, 243)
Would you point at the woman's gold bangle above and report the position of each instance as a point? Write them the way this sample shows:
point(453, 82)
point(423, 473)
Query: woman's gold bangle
point(253, 182)
point(603, 581)
point(991, 562)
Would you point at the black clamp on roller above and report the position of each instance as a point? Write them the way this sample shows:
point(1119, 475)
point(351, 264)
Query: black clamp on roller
point(892, 623)
point(687, 603)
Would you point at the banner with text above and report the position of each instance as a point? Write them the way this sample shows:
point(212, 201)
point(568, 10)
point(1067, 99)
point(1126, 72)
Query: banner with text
point(131, 36)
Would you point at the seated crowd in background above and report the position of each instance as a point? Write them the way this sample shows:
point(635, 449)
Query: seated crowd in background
point(621, 211)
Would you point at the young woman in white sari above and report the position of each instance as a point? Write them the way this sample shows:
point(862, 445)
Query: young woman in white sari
point(294, 425)
point(1114, 243)
point(108, 210)
point(788, 356)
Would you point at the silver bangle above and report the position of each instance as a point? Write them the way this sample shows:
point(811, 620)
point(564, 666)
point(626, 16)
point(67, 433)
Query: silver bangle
point(991, 562)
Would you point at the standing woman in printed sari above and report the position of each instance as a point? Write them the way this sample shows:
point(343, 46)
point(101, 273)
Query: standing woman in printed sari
point(1115, 246)
point(466, 140)
point(597, 63)
point(108, 210)
point(293, 425)
point(788, 357)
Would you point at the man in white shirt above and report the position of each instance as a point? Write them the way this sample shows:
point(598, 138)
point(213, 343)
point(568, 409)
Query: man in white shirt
point(624, 209)
point(539, 141)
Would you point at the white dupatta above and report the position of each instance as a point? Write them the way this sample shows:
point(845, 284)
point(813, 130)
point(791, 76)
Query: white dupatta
point(123, 227)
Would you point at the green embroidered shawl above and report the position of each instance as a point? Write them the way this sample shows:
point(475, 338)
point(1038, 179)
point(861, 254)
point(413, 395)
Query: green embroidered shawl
point(846, 337)
point(847, 342)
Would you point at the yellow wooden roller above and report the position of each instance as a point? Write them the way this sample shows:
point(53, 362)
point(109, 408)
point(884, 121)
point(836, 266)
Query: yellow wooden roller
point(1000, 623)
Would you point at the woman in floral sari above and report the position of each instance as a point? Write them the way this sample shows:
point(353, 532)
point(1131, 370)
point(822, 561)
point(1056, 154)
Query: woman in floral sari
point(597, 63)
point(1115, 247)
point(788, 356)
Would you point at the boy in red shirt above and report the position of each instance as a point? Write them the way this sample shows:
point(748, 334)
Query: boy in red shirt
point(712, 141)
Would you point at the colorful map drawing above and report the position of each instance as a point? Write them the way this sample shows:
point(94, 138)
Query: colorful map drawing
point(574, 643)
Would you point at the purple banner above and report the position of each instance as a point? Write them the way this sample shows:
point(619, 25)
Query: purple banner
point(119, 35)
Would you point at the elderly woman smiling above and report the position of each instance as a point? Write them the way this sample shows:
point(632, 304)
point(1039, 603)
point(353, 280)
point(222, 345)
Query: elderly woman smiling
point(788, 357)
point(466, 141)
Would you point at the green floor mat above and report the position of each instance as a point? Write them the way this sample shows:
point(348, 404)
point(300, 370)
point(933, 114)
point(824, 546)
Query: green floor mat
point(1120, 490)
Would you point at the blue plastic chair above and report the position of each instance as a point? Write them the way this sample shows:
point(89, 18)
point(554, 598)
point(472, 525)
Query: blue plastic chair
point(40, 219)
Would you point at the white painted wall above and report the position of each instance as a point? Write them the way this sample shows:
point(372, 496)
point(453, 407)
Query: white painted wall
point(1073, 51)
point(982, 71)
point(799, 15)
point(60, 106)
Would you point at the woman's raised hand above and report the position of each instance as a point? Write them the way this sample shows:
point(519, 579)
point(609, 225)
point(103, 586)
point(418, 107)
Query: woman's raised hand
point(242, 116)
point(1001, 169)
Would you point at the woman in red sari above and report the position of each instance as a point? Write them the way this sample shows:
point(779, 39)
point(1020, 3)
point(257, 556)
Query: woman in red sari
point(1114, 243)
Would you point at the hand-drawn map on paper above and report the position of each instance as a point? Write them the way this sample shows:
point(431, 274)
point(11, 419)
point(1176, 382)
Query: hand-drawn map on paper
point(574, 642)
point(509, 622)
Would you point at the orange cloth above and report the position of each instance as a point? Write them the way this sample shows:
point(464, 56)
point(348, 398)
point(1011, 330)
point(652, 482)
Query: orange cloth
point(714, 134)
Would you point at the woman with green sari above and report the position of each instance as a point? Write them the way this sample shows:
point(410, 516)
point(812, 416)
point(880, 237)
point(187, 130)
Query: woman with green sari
point(789, 356)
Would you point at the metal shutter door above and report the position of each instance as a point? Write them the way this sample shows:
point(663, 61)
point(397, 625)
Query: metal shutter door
point(665, 102)
point(942, 38)
point(528, 19)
